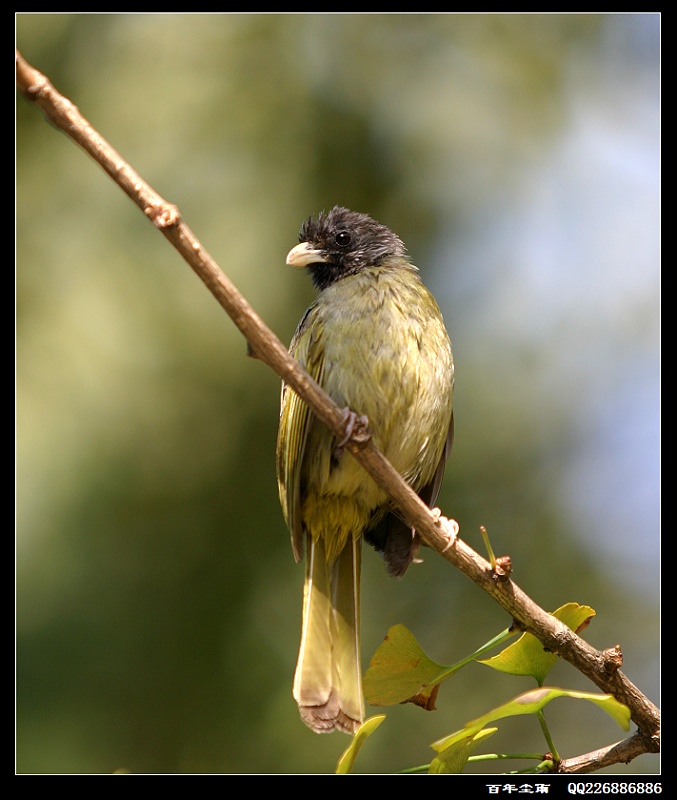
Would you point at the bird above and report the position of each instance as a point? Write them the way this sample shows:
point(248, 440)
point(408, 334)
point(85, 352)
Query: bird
point(374, 339)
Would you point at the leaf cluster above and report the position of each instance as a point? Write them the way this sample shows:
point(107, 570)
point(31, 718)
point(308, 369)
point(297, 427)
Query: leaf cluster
point(400, 671)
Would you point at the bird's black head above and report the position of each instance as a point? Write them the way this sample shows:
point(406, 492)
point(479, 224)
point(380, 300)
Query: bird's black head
point(342, 243)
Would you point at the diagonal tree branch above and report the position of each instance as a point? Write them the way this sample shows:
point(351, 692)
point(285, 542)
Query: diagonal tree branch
point(601, 667)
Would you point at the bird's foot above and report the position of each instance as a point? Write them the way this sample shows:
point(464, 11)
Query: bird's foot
point(355, 431)
point(448, 528)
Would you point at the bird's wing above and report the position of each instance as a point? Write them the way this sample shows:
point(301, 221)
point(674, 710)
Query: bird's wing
point(392, 537)
point(296, 420)
point(430, 492)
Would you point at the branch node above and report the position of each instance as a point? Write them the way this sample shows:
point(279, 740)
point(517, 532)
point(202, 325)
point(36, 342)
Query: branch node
point(161, 214)
point(613, 659)
point(502, 569)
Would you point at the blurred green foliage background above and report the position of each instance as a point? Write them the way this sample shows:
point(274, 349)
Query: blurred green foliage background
point(158, 605)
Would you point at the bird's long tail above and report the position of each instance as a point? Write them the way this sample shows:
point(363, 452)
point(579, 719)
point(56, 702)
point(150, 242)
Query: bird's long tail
point(328, 679)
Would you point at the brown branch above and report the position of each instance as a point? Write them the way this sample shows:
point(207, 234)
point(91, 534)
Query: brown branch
point(620, 753)
point(600, 667)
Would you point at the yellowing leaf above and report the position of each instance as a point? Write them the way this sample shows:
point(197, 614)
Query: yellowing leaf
point(527, 656)
point(400, 670)
point(453, 757)
point(347, 760)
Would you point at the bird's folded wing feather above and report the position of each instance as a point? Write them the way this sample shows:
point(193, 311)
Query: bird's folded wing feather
point(296, 420)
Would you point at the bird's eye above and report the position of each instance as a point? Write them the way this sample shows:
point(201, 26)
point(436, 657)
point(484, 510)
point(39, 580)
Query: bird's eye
point(343, 238)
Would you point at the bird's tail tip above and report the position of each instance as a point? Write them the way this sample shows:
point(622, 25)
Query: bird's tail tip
point(325, 719)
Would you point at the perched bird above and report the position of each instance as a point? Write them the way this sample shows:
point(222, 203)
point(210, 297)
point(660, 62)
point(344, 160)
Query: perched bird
point(374, 339)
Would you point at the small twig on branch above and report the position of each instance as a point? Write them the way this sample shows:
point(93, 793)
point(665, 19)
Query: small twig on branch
point(600, 667)
point(620, 753)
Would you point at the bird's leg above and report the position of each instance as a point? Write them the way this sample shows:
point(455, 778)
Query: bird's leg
point(355, 430)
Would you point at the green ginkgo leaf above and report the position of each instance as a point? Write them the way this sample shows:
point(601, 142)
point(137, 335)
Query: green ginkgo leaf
point(347, 760)
point(453, 757)
point(527, 656)
point(400, 670)
point(534, 701)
